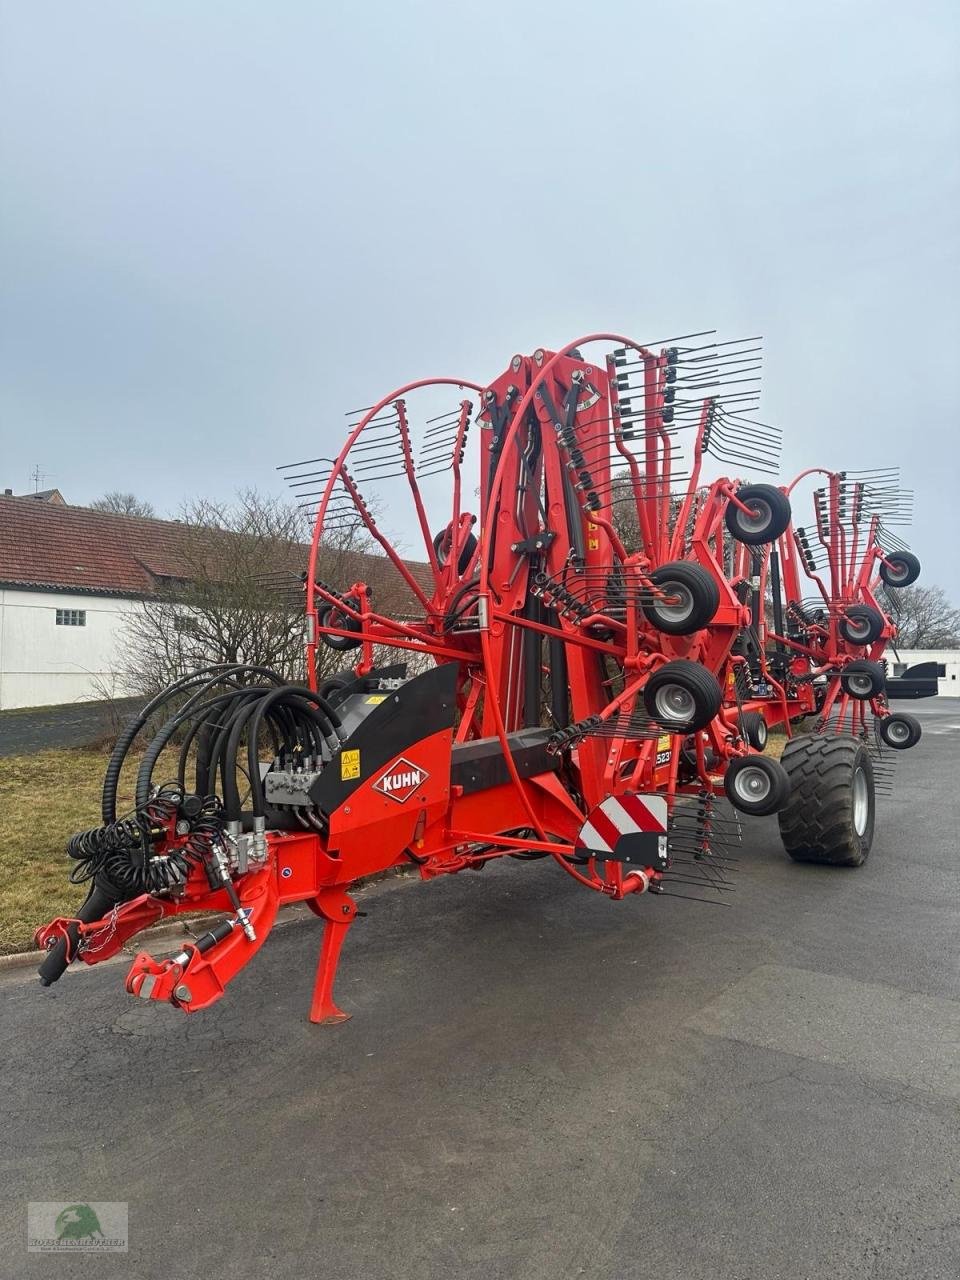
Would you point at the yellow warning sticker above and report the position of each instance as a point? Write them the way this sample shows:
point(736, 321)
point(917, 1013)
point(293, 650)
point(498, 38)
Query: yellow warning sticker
point(593, 544)
point(375, 699)
point(664, 751)
point(349, 765)
point(663, 742)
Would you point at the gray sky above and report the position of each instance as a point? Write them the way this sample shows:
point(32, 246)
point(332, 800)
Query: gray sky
point(224, 224)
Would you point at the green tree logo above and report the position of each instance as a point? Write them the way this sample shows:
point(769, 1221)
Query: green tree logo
point(78, 1222)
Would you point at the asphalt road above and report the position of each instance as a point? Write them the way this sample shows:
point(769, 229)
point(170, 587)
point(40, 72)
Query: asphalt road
point(536, 1084)
point(74, 724)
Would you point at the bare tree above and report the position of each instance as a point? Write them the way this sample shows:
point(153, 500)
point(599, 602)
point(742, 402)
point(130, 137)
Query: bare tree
point(925, 618)
point(123, 504)
point(624, 515)
point(236, 596)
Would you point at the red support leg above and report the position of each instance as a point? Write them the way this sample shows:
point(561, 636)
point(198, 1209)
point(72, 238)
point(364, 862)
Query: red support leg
point(338, 912)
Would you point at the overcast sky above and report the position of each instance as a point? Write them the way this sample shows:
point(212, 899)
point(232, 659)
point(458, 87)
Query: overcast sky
point(224, 224)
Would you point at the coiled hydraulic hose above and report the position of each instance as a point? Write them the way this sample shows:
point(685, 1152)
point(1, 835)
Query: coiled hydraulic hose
point(119, 861)
point(120, 854)
point(118, 857)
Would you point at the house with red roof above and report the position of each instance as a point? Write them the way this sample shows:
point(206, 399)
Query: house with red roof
point(68, 576)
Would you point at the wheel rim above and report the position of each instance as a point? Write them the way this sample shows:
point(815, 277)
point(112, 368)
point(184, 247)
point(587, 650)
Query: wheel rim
point(897, 731)
point(761, 734)
point(752, 784)
point(897, 571)
point(858, 628)
point(679, 609)
point(759, 518)
point(861, 802)
point(675, 703)
point(860, 686)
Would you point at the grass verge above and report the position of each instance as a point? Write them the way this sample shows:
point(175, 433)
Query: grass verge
point(44, 799)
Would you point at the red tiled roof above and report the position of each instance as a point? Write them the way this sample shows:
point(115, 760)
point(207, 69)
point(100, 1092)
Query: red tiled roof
point(45, 545)
point(76, 549)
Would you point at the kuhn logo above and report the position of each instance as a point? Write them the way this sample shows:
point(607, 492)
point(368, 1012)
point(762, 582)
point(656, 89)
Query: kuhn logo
point(401, 780)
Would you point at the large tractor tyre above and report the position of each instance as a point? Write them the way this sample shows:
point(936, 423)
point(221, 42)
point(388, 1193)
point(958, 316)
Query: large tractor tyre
point(830, 813)
point(329, 615)
point(863, 680)
point(902, 569)
point(768, 517)
point(900, 731)
point(756, 784)
point(691, 598)
point(861, 624)
point(754, 728)
point(682, 696)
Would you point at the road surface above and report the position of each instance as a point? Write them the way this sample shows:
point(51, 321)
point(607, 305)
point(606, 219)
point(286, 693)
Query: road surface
point(74, 724)
point(536, 1083)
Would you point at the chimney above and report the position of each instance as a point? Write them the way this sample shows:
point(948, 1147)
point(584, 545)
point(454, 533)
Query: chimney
point(8, 493)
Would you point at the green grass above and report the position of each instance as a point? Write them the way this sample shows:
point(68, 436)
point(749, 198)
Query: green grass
point(44, 799)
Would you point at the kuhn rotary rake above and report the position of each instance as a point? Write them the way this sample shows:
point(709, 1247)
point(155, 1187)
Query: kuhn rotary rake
point(822, 655)
point(572, 663)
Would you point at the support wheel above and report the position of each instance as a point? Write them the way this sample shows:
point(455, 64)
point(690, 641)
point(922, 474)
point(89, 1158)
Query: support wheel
point(691, 598)
point(830, 813)
point(861, 624)
point(863, 679)
point(682, 696)
point(329, 615)
point(756, 785)
point(754, 729)
point(899, 731)
point(443, 542)
point(769, 514)
point(902, 569)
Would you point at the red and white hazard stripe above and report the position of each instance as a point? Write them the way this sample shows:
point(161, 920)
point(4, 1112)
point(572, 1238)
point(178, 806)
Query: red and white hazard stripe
point(619, 816)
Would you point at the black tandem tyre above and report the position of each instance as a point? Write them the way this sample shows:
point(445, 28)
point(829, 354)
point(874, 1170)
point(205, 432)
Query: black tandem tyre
point(691, 598)
point(754, 728)
point(901, 570)
point(863, 679)
point(756, 784)
point(830, 813)
point(769, 514)
point(861, 624)
point(682, 696)
point(900, 731)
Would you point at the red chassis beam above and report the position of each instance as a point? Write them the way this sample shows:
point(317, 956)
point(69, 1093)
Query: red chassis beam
point(368, 833)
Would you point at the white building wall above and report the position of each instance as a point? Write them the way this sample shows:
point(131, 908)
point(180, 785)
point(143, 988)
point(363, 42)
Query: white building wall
point(43, 664)
point(949, 684)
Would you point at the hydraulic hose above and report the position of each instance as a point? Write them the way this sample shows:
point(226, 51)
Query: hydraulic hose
point(325, 715)
point(207, 676)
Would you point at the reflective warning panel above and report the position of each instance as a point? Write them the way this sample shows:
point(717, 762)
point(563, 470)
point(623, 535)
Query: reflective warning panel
point(627, 828)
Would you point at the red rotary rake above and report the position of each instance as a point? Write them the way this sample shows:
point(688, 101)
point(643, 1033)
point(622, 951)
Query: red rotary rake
point(822, 655)
point(543, 678)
